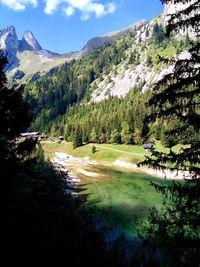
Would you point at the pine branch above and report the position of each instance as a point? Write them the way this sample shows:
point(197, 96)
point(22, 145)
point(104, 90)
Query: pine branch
point(187, 17)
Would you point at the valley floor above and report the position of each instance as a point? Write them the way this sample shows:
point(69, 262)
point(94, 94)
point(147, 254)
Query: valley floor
point(111, 182)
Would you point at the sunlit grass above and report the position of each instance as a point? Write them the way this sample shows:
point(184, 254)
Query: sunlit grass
point(105, 152)
point(122, 199)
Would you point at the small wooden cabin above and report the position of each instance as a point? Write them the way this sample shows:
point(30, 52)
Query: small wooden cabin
point(33, 135)
point(148, 145)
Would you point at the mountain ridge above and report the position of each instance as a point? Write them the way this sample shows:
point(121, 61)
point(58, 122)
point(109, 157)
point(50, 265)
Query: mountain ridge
point(29, 42)
point(97, 42)
point(26, 57)
point(17, 50)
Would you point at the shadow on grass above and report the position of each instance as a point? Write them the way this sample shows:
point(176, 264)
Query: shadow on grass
point(115, 172)
point(122, 200)
point(83, 195)
point(123, 219)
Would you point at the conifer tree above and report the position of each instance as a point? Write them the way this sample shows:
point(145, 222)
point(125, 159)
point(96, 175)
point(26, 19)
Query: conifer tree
point(77, 138)
point(177, 97)
point(93, 136)
point(175, 229)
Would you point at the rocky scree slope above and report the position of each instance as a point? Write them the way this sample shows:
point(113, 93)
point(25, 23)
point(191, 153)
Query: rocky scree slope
point(142, 65)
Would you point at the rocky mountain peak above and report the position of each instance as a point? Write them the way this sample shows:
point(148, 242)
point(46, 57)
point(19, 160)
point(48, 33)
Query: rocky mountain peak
point(9, 30)
point(8, 39)
point(30, 42)
point(10, 44)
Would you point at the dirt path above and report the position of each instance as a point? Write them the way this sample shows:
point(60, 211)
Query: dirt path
point(60, 162)
point(117, 150)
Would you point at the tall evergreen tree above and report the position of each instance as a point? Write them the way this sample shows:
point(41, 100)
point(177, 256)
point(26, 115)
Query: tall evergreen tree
point(77, 138)
point(177, 97)
point(93, 136)
point(14, 118)
point(175, 229)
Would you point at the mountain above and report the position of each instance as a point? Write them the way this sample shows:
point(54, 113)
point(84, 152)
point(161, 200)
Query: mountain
point(140, 67)
point(108, 68)
point(112, 66)
point(26, 57)
point(29, 42)
point(9, 43)
point(97, 42)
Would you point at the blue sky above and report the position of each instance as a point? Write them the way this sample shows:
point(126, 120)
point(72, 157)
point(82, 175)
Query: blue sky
point(66, 25)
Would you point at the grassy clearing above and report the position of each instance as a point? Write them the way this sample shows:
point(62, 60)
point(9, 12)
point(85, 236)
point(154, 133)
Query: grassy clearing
point(105, 152)
point(122, 199)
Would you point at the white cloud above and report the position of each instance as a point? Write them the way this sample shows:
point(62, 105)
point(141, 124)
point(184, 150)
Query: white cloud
point(98, 9)
point(19, 5)
point(51, 6)
point(69, 11)
point(85, 7)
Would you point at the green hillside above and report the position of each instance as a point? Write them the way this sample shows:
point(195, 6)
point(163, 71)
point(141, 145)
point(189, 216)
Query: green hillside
point(63, 94)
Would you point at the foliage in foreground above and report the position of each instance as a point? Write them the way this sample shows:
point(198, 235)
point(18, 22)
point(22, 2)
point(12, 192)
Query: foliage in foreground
point(174, 231)
point(41, 225)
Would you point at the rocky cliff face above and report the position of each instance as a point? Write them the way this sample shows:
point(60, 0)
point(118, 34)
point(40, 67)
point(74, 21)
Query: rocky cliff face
point(142, 72)
point(29, 42)
point(9, 43)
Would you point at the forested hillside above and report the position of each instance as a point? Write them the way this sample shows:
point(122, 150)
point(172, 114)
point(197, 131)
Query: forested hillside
point(111, 121)
point(72, 92)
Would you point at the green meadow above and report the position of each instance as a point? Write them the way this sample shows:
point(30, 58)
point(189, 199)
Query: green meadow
point(105, 152)
point(121, 197)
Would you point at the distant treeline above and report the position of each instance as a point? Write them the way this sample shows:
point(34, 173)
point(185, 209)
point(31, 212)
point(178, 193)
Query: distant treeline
point(112, 121)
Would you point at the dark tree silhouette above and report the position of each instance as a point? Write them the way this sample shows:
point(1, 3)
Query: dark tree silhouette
point(175, 229)
point(41, 225)
point(177, 95)
point(14, 118)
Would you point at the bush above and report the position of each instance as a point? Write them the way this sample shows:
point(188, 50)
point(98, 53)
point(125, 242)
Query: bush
point(94, 149)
